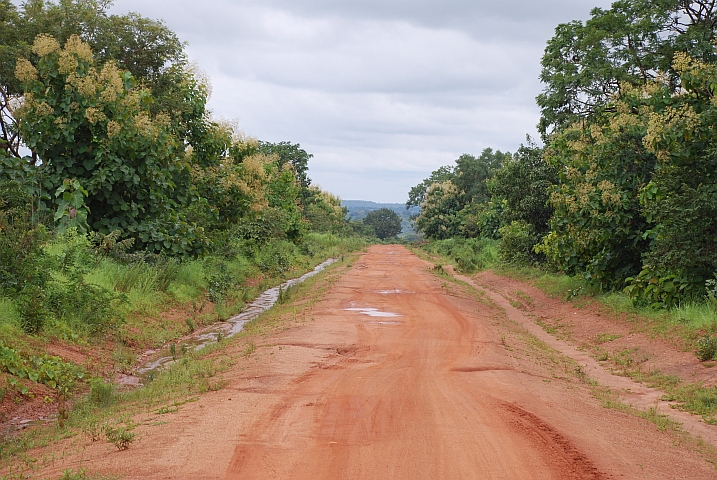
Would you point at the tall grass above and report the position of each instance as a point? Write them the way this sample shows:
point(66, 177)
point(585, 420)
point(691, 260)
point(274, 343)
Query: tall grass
point(470, 254)
point(694, 317)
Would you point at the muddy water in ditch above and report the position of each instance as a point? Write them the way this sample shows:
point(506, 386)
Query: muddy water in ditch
point(159, 359)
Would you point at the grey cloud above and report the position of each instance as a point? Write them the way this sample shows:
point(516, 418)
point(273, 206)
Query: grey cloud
point(382, 92)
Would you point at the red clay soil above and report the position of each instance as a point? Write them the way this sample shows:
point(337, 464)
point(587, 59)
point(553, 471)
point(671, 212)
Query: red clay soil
point(593, 325)
point(449, 389)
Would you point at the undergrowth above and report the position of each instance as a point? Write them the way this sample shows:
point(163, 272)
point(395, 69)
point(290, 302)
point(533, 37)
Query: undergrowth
point(106, 413)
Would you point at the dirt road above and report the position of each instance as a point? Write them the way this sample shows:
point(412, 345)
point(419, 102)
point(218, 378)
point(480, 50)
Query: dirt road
point(435, 383)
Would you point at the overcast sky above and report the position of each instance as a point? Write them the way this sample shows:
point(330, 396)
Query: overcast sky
point(382, 92)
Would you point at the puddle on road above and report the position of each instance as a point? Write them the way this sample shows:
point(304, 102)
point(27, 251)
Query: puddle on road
point(394, 292)
point(159, 359)
point(373, 312)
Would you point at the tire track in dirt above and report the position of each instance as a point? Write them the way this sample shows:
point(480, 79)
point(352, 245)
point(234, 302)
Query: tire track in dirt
point(405, 413)
point(633, 393)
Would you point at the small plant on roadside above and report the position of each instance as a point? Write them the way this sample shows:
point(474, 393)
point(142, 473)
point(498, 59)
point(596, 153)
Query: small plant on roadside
point(707, 348)
point(249, 348)
point(102, 393)
point(120, 437)
point(93, 431)
point(219, 284)
point(190, 324)
point(70, 474)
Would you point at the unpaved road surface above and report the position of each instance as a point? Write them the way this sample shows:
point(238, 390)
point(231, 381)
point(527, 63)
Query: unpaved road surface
point(448, 388)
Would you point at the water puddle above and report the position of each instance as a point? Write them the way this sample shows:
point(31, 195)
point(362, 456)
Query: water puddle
point(373, 312)
point(159, 359)
point(387, 323)
point(394, 292)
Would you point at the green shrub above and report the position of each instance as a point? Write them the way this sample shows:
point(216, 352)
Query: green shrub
point(22, 258)
point(516, 244)
point(652, 289)
point(50, 371)
point(707, 348)
point(469, 254)
point(120, 437)
point(102, 393)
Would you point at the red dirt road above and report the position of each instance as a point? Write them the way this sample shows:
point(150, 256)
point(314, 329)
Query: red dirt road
point(448, 389)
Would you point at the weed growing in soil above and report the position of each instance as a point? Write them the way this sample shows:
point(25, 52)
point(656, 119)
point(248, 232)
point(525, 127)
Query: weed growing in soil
point(707, 348)
point(81, 474)
point(120, 437)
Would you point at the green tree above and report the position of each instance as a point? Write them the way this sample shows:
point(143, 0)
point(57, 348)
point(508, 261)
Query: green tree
point(598, 229)
point(630, 44)
point(417, 194)
point(385, 223)
point(439, 212)
point(473, 174)
point(146, 48)
point(293, 155)
point(523, 182)
point(455, 201)
point(91, 123)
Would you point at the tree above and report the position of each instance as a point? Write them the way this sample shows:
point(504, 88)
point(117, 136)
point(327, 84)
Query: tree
point(385, 223)
point(146, 48)
point(523, 182)
point(473, 173)
point(417, 195)
point(628, 45)
point(91, 123)
point(293, 155)
point(454, 200)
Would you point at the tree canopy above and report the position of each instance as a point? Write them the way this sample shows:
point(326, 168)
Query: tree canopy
point(384, 222)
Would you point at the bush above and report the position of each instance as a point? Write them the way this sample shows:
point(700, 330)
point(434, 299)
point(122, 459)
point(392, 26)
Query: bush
point(516, 244)
point(470, 255)
point(707, 348)
point(102, 393)
point(21, 242)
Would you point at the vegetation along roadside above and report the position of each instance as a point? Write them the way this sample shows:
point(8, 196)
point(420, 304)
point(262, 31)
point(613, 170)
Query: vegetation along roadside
point(129, 215)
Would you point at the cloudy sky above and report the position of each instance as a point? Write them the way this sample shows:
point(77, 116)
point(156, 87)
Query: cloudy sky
point(382, 92)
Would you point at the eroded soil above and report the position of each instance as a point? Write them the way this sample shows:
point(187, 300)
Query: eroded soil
point(449, 387)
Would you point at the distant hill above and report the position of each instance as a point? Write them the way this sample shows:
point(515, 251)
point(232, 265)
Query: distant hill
point(358, 209)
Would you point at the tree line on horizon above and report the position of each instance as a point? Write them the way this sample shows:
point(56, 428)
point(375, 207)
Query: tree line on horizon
point(623, 191)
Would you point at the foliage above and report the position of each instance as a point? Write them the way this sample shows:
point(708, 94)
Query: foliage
point(385, 223)
point(417, 195)
point(598, 230)
point(450, 198)
point(647, 288)
point(146, 48)
point(323, 212)
point(470, 254)
point(120, 436)
point(707, 348)
point(516, 245)
point(523, 183)
point(438, 218)
point(290, 155)
point(51, 371)
point(481, 220)
point(71, 209)
point(680, 201)
point(472, 174)
point(101, 393)
point(21, 253)
point(91, 124)
point(628, 45)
